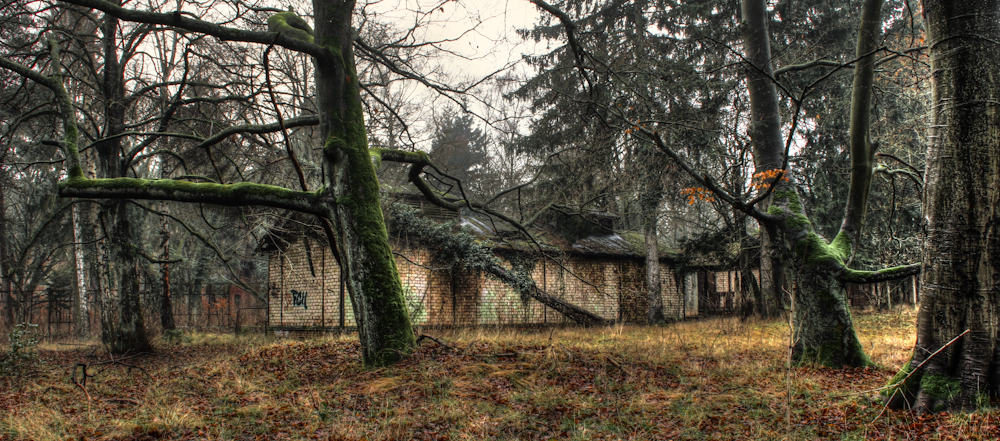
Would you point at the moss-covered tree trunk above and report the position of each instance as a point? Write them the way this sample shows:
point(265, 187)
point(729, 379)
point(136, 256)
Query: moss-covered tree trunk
point(824, 330)
point(362, 243)
point(961, 253)
point(823, 323)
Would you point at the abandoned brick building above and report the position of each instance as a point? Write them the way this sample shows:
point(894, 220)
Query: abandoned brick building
point(603, 272)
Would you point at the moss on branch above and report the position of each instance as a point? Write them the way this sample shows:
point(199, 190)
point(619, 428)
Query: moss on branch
point(882, 275)
point(243, 193)
point(290, 24)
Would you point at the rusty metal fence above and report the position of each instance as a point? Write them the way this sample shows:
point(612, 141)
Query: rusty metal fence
point(212, 307)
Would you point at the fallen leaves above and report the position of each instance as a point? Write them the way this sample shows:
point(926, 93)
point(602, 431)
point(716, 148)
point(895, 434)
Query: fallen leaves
point(676, 382)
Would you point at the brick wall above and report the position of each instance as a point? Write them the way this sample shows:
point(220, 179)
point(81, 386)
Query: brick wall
point(306, 293)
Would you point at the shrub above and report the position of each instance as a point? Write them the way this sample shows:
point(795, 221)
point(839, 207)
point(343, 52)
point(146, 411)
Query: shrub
point(22, 353)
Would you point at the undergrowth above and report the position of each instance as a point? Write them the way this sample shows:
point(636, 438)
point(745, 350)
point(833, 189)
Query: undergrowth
point(21, 352)
point(708, 379)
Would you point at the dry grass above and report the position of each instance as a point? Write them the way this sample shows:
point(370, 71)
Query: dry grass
point(711, 379)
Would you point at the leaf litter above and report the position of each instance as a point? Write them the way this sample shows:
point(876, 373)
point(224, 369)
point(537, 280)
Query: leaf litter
point(707, 379)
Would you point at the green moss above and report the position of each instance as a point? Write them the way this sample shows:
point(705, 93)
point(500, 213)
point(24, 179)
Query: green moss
point(334, 144)
point(797, 221)
point(822, 355)
point(791, 197)
point(901, 375)
point(376, 156)
point(832, 353)
point(890, 273)
point(901, 388)
point(72, 134)
point(784, 195)
point(290, 24)
point(842, 245)
point(940, 387)
point(392, 336)
point(172, 185)
point(793, 202)
point(814, 250)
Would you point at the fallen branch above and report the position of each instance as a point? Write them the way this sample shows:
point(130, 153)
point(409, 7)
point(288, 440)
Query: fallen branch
point(888, 400)
point(83, 377)
point(950, 342)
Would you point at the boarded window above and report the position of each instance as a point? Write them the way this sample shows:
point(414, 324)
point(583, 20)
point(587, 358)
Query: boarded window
point(299, 299)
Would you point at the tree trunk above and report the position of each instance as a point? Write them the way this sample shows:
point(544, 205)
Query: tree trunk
point(194, 301)
point(123, 330)
point(772, 272)
point(766, 138)
point(166, 305)
point(6, 300)
point(823, 323)
point(824, 329)
point(650, 204)
point(961, 254)
point(362, 243)
point(81, 308)
point(751, 299)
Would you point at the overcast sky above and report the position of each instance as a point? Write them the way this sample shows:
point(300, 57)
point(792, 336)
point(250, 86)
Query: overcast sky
point(485, 29)
point(485, 39)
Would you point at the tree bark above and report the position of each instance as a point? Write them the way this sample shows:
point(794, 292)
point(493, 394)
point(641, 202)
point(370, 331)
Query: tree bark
point(362, 242)
point(766, 138)
point(649, 207)
point(751, 298)
point(81, 307)
point(961, 254)
point(166, 303)
point(6, 299)
point(124, 329)
point(654, 294)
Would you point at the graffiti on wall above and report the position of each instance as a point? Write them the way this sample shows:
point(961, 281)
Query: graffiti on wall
point(299, 298)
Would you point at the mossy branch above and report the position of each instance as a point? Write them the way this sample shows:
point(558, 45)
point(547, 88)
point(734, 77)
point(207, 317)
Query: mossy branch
point(882, 275)
point(243, 193)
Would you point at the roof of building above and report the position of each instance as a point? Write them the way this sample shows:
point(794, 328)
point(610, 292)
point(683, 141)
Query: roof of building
point(575, 234)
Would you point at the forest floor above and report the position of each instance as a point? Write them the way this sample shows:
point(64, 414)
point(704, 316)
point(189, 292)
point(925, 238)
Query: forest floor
point(709, 379)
